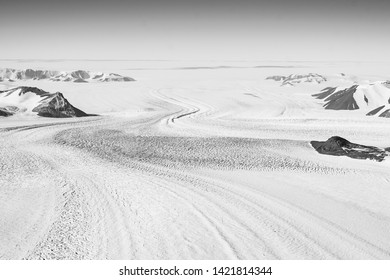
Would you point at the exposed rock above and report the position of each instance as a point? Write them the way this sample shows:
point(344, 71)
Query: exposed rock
point(8, 111)
point(276, 78)
point(128, 79)
point(79, 76)
point(338, 100)
point(372, 99)
point(385, 114)
point(296, 79)
point(375, 111)
point(79, 80)
point(338, 146)
point(53, 105)
point(5, 113)
point(57, 106)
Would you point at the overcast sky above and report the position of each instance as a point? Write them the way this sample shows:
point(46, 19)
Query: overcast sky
point(198, 29)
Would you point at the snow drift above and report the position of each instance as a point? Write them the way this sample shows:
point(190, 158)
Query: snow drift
point(32, 100)
point(79, 76)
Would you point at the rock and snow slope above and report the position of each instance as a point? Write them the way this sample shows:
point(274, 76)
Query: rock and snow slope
point(79, 76)
point(32, 100)
point(297, 79)
point(373, 99)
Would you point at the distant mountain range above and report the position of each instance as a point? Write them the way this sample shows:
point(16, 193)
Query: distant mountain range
point(79, 76)
point(373, 99)
point(35, 101)
point(293, 79)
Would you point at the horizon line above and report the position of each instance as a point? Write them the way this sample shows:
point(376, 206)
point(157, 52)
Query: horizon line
point(167, 60)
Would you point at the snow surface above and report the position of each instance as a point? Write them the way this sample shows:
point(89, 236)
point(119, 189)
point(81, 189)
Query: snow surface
point(200, 163)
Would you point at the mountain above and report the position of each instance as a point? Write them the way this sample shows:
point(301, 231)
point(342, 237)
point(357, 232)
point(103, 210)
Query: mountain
point(79, 76)
point(32, 100)
point(296, 79)
point(373, 99)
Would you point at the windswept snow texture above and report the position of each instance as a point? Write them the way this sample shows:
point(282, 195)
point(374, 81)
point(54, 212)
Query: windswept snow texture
point(373, 99)
point(79, 76)
point(192, 164)
point(32, 100)
point(297, 79)
point(338, 146)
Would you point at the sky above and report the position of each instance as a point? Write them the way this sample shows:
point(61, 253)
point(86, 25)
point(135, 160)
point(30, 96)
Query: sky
point(295, 30)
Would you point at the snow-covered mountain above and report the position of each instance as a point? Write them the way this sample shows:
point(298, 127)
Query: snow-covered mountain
point(296, 79)
point(373, 98)
point(35, 101)
point(79, 76)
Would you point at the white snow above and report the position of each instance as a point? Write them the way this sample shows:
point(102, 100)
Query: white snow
point(377, 94)
point(194, 164)
point(25, 102)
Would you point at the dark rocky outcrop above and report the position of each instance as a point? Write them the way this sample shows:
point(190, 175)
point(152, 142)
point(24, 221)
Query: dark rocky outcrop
point(8, 111)
point(80, 74)
point(128, 79)
point(338, 100)
point(338, 146)
point(375, 111)
point(57, 106)
point(79, 80)
point(385, 114)
point(5, 113)
point(276, 78)
point(23, 90)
